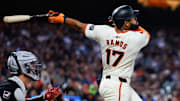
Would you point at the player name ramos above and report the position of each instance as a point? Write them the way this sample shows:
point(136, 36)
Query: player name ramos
point(117, 43)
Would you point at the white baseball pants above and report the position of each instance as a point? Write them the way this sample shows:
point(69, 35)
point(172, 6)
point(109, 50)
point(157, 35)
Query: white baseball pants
point(114, 90)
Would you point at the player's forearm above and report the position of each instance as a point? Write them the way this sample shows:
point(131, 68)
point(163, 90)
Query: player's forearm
point(61, 18)
point(75, 24)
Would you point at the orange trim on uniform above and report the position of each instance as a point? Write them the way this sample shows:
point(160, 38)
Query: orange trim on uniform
point(144, 31)
point(120, 91)
point(116, 30)
point(84, 30)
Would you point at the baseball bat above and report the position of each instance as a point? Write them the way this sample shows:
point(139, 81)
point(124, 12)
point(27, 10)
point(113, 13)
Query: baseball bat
point(21, 18)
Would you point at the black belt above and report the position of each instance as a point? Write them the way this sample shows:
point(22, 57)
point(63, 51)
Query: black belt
point(120, 78)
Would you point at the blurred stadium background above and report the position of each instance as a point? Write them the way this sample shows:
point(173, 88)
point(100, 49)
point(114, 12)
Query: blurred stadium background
point(73, 61)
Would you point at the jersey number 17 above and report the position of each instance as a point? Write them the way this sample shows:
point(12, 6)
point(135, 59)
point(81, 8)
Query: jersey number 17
point(114, 53)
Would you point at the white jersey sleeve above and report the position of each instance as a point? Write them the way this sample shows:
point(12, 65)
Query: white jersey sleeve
point(145, 37)
point(93, 31)
point(144, 40)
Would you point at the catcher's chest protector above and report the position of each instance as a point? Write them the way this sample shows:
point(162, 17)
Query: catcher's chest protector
point(7, 89)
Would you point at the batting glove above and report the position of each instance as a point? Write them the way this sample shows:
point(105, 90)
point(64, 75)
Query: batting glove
point(56, 17)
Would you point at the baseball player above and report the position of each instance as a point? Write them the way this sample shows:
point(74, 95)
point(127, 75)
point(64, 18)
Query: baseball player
point(119, 48)
point(24, 67)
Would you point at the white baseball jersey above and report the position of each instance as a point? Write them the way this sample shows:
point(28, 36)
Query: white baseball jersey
point(119, 50)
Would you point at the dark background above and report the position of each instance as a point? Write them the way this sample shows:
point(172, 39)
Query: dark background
point(91, 11)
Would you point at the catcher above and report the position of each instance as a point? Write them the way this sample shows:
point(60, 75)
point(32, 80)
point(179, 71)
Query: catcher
point(25, 69)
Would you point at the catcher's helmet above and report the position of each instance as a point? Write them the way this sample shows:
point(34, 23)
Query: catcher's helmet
point(123, 13)
point(23, 62)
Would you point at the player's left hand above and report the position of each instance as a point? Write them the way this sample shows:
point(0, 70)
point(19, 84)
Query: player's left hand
point(53, 94)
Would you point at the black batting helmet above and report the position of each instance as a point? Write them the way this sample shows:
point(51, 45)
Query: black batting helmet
point(123, 13)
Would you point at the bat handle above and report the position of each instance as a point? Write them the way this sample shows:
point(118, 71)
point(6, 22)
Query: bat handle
point(41, 15)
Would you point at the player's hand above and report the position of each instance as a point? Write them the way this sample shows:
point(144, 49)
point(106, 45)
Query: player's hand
point(52, 94)
point(56, 17)
point(53, 13)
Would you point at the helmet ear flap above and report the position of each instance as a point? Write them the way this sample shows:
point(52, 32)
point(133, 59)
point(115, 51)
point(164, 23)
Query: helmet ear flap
point(119, 23)
point(13, 64)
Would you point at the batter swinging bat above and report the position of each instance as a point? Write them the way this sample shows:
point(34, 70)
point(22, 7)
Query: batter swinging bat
point(20, 18)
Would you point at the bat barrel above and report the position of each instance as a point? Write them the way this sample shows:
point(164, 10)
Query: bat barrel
point(16, 18)
point(21, 18)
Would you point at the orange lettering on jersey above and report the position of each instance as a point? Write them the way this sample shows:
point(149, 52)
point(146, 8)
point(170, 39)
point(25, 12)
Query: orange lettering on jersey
point(112, 42)
point(107, 41)
point(117, 43)
point(121, 44)
point(125, 46)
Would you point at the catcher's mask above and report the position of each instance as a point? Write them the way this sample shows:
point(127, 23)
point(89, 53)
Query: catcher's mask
point(23, 62)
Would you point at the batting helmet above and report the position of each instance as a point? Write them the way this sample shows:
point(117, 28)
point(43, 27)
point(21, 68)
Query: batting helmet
point(123, 13)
